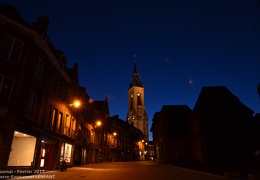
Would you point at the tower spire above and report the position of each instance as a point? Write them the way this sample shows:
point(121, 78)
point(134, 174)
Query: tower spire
point(136, 80)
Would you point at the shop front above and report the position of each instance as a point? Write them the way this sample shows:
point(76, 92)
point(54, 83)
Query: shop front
point(22, 150)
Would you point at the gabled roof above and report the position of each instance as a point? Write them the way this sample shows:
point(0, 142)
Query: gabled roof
point(219, 98)
point(102, 107)
point(12, 13)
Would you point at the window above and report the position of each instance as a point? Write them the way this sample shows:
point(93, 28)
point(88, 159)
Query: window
point(32, 103)
point(58, 89)
point(73, 127)
point(67, 125)
point(6, 86)
point(48, 115)
point(59, 123)
point(11, 48)
point(39, 69)
point(54, 119)
point(131, 102)
point(52, 84)
point(139, 101)
point(80, 131)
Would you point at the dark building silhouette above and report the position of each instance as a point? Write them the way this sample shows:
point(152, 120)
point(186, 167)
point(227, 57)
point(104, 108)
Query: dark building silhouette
point(214, 136)
point(170, 134)
point(220, 126)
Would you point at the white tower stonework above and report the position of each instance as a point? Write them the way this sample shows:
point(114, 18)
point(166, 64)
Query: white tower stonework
point(136, 109)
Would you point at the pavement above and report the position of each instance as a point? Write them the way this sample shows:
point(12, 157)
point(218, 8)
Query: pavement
point(140, 170)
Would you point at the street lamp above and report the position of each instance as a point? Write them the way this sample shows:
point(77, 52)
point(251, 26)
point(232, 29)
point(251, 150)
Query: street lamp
point(76, 103)
point(114, 133)
point(98, 123)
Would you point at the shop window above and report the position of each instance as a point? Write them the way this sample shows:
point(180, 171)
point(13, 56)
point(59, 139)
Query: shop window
point(22, 150)
point(65, 153)
point(11, 48)
point(84, 156)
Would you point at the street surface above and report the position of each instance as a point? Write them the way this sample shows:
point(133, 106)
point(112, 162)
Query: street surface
point(127, 171)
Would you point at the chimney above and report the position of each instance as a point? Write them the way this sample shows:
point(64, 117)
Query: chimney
point(42, 24)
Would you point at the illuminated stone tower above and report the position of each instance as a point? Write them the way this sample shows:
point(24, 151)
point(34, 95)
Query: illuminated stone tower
point(136, 109)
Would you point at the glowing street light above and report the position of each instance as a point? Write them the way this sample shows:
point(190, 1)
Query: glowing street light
point(114, 133)
point(98, 123)
point(76, 103)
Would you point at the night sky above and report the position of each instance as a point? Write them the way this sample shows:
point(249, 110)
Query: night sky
point(181, 46)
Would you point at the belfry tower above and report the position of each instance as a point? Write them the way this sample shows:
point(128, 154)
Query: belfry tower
point(136, 109)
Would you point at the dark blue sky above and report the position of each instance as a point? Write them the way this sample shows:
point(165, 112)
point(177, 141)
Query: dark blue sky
point(180, 47)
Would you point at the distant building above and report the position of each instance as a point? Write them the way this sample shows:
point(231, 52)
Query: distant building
point(136, 113)
point(170, 134)
point(126, 141)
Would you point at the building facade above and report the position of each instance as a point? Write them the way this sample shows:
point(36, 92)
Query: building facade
point(136, 113)
point(170, 133)
point(46, 116)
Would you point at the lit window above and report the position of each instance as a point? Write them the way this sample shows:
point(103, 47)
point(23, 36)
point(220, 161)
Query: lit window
point(67, 125)
point(59, 122)
point(73, 127)
point(139, 101)
point(54, 119)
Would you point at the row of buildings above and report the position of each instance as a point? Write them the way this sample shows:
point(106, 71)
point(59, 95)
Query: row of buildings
point(46, 116)
point(220, 134)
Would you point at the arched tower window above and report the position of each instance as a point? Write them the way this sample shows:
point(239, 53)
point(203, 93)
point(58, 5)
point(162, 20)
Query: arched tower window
point(131, 102)
point(139, 101)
